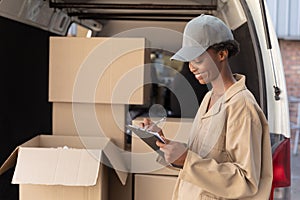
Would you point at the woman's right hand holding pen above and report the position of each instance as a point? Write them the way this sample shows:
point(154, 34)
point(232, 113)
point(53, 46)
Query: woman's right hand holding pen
point(174, 152)
point(147, 124)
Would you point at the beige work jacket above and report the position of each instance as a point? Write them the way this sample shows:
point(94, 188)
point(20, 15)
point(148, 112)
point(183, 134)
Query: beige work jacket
point(229, 153)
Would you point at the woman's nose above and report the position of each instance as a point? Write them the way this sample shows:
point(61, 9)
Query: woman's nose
point(192, 68)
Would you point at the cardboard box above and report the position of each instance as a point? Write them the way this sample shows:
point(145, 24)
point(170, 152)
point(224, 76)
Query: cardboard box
point(149, 187)
point(174, 129)
point(99, 70)
point(64, 168)
point(85, 119)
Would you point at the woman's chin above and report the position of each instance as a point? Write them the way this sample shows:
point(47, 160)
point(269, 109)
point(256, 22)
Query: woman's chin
point(202, 81)
point(202, 78)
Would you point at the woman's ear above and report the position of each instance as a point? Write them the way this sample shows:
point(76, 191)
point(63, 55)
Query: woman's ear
point(223, 55)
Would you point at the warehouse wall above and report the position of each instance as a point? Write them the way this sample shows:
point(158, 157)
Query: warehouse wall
point(286, 18)
point(290, 51)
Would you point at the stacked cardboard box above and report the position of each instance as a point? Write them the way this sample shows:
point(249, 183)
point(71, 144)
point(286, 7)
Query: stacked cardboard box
point(149, 187)
point(90, 82)
point(86, 119)
point(98, 70)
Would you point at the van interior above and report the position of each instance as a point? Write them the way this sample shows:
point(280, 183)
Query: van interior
point(27, 25)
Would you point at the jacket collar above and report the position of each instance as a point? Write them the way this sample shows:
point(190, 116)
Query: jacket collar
point(238, 86)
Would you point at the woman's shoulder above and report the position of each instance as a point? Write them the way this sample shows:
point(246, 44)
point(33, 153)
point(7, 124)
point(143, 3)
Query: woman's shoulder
point(243, 97)
point(243, 101)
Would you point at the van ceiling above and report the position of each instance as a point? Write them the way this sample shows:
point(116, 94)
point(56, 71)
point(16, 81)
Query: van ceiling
point(167, 10)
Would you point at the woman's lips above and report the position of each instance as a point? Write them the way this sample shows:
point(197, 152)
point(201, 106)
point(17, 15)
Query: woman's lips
point(201, 75)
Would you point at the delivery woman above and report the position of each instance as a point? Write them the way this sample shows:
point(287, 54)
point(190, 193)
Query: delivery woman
point(228, 154)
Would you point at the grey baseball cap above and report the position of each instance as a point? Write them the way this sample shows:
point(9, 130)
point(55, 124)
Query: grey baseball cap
point(199, 34)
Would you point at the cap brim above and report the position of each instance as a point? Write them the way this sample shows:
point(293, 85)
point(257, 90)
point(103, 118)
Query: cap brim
point(187, 54)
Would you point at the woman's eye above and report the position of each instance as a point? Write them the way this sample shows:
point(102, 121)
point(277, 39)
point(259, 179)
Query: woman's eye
point(199, 62)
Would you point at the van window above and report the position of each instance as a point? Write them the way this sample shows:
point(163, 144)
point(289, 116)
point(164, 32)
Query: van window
point(76, 30)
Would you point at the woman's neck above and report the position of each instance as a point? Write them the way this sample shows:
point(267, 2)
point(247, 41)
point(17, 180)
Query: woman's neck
point(224, 81)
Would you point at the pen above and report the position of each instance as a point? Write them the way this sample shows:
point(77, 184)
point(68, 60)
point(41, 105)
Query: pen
point(157, 122)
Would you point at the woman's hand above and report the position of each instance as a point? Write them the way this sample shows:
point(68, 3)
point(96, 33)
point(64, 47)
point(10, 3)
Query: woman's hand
point(174, 152)
point(148, 124)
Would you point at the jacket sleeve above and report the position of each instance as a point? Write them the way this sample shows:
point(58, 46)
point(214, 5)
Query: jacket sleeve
point(239, 177)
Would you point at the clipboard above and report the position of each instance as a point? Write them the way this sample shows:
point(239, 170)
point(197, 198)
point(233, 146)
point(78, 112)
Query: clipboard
point(149, 137)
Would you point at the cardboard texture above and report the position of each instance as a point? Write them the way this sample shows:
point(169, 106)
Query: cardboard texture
point(149, 187)
point(64, 167)
point(90, 120)
point(174, 129)
point(99, 70)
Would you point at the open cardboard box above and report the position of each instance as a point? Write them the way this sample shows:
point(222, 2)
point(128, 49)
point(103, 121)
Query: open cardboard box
point(51, 167)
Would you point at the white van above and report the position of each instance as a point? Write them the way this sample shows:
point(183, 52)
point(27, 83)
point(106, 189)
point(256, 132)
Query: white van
point(161, 22)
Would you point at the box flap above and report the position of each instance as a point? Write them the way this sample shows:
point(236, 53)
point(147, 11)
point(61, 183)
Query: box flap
point(57, 166)
point(119, 160)
point(122, 176)
point(10, 161)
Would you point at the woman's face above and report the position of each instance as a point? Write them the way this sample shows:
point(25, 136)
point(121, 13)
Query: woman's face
point(204, 67)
